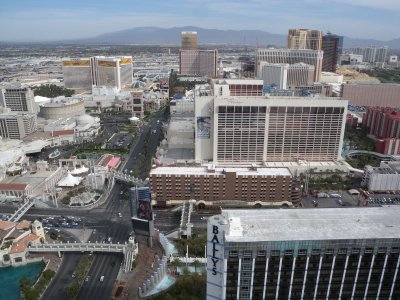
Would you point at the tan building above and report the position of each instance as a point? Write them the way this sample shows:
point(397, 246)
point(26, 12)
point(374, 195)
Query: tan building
point(218, 186)
point(189, 40)
point(372, 94)
point(198, 62)
point(304, 39)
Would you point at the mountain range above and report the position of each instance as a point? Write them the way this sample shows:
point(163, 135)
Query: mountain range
point(171, 36)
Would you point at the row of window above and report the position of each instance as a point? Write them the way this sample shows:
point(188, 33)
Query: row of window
point(248, 254)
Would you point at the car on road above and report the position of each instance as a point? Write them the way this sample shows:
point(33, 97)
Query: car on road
point(87, 278)
point(101, 278)
point(73, 275)
point(119, 215)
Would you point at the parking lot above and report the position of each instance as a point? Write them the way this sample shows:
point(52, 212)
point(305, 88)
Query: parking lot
point(385, 199)
point(340, 199)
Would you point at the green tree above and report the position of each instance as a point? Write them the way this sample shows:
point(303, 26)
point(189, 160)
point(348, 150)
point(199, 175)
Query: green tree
point(52, 91)
point(175, 263)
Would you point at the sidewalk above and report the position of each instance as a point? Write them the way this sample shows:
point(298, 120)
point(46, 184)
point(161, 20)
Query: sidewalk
point(146, 264)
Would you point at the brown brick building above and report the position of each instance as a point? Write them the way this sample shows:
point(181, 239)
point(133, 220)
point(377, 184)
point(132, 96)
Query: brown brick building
point(219, 186)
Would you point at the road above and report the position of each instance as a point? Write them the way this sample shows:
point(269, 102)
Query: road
point(106, 221)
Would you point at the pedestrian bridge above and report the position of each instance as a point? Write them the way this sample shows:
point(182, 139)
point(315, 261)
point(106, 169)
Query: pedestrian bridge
point(185, 226)
point(129, 250)
point(126, 177)
point(350, 153)
point(22, 210)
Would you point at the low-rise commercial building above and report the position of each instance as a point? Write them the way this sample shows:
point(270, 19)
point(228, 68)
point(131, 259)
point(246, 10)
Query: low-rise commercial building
point(384, 178)
point(224, 186)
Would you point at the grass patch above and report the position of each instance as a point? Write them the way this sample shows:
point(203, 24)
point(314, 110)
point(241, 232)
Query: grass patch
point(31, 292)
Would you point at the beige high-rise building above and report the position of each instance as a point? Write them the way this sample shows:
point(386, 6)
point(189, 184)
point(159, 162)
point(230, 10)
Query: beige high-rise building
point(17, 98)
point(304, 39)
point(189, 40)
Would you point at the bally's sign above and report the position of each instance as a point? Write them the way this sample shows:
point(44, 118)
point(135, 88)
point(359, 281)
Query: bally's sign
point(214, 250)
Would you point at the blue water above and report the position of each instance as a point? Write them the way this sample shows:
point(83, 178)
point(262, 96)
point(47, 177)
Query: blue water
point(10, 276)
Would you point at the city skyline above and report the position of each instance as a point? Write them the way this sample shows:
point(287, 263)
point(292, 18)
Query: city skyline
point(29, 21)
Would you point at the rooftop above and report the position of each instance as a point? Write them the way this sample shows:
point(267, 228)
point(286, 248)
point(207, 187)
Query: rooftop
point(310, 224)
point(21, 245)
point(13, 186)
point(220, 171)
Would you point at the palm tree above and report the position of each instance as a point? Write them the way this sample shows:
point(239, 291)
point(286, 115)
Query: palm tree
point(196, 264)
point(175, 263)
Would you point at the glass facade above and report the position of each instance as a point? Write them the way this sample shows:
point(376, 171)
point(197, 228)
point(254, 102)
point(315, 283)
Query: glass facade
point(331, 269)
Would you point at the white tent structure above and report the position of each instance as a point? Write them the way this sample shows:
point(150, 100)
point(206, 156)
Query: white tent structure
point(134, 119)
point(69, 181)
point(80, 170)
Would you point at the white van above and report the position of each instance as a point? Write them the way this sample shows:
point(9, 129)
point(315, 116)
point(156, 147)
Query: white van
point(101, 278)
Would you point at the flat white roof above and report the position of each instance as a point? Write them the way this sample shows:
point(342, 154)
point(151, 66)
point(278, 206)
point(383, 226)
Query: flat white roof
point(219, 171)
point(310, 224)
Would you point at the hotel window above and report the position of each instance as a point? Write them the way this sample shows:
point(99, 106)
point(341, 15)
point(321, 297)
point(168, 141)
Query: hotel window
point(302, 252)
point(316, 251)
point(275, 252)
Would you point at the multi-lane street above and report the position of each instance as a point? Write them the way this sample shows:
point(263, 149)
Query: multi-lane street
point(109, 222)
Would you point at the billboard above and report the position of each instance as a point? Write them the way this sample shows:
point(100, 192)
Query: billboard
point(203, 127)
point(141, 211)
point(141, 203)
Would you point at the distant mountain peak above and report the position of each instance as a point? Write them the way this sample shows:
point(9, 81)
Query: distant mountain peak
point(153, 35)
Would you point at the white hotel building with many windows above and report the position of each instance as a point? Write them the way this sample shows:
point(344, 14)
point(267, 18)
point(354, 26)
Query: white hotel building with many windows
point(258, 129)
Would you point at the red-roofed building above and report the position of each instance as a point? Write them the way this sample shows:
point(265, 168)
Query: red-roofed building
point(108, 161)
point(16, 239)
point(19, 190)
point(62, 137)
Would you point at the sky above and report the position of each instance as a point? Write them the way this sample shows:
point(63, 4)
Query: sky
point(49, 20)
